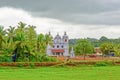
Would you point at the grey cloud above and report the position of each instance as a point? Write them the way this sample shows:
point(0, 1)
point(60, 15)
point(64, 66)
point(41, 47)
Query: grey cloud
point(90, 12)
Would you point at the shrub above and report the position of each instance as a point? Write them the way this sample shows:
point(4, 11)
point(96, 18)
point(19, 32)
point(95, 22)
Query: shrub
point(32, 65)
point(104, 63)
point(45, 58)
point(100, 64)
point(50, 59)
point(5, 58)
point(20, 64)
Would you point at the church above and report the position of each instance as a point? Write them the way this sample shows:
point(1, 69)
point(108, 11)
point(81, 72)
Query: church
point(60, 46)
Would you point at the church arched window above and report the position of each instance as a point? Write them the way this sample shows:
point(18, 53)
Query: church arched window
point(57, 46)
point(65, 40)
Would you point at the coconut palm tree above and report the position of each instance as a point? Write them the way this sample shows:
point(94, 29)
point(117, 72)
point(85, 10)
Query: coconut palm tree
point(11, 33)
point(25, 40)
point(21, 46)
point(10, 38)
point(31, 39)
point(31, 36)
point(20, 28)
point(48, 39)
point(41, 43)
point(2, 36)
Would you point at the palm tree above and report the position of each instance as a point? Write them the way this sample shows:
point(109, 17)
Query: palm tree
point(21, 47)
point(48, 39)
point(11, 36)
point(2, 36)
point(41, 43)
point(26, 40)
point(31, 39)
point(31, 36)
point(11, 32)
point(20, 28)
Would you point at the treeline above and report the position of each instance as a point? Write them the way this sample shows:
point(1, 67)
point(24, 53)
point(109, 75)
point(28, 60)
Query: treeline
point(107, 46)
point(21, 43)
point(97, 42)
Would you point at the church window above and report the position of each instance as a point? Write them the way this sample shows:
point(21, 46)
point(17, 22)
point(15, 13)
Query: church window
point(65, 40)
point(57, 46)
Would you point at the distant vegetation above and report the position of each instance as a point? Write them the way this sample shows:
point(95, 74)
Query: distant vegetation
point(105, 44)
point(97, 42)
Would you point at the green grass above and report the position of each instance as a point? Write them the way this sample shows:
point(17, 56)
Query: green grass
point(61, 73)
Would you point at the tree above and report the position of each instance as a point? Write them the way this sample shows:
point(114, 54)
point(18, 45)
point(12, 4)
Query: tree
point(31, 38)
point(48, 39)
point(107, 47)
point(2, 36)
point(104, 39)
point(117, 49)
point(26, 40)
point(83, 47)
point(20, 28)
point(95, 42)
point(10, 44)
point(23, 42)
point(41, 44)
point(21, 47)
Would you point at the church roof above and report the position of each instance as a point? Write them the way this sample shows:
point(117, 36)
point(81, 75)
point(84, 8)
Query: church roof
point(57, 50)
point(65, 35)
point(57, 36)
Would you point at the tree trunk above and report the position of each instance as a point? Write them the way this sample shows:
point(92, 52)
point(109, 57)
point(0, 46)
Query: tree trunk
point(84, 56)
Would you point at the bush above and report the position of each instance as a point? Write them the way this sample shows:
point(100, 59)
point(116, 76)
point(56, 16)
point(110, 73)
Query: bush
point(100, 64)
point(103, 63)
point(50, 59)
point(45, 58)
point(20, 64)
point(5, 59)
point(32, 58)
point(32, 65)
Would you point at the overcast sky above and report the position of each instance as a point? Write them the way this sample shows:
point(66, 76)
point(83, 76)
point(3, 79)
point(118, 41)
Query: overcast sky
point(79, 18)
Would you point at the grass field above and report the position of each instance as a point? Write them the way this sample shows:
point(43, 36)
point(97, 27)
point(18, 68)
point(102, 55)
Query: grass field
point(61, 73)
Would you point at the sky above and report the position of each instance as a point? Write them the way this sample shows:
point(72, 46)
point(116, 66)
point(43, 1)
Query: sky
point(79, 18)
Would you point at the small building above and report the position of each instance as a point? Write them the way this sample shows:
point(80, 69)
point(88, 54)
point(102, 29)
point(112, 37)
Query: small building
point(98, 51)
point(60, 46)
point(72, 55)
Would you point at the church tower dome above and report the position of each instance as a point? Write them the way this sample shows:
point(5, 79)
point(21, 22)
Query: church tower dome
point(57, 39)
point(65, 38)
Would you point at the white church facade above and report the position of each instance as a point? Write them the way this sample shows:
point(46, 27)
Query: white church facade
point(60, 47)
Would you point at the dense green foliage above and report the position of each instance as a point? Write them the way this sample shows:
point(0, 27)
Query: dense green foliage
point(23, 42)
point(97, 42)
point(107, 48)
point(83, 47)
point(61, 73)
point(106, 45)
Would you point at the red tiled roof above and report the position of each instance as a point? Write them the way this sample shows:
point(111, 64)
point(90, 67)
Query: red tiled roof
point(57, 50)
point(98, 50)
